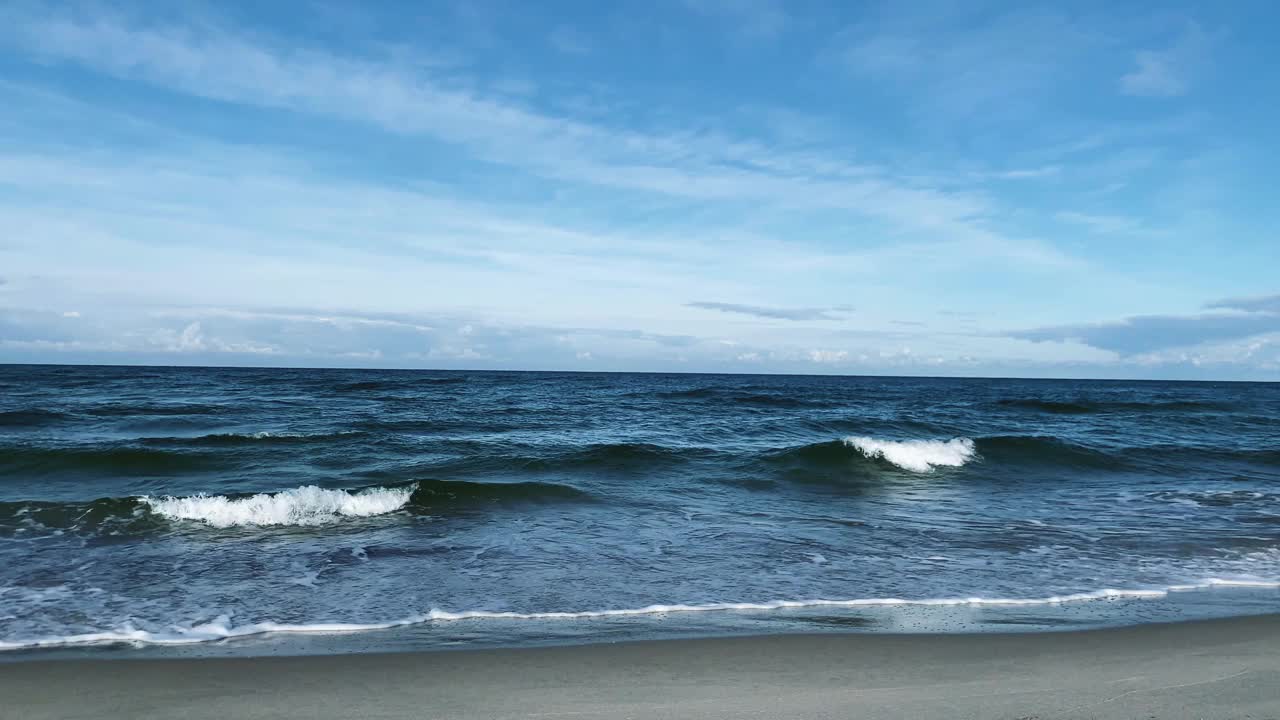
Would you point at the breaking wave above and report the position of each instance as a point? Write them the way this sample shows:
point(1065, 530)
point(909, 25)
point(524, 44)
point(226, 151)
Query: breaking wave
point(307, 505)
point(867, 454)
point(916, 455)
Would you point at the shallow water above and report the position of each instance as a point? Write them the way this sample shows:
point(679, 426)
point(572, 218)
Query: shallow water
point(170, 506)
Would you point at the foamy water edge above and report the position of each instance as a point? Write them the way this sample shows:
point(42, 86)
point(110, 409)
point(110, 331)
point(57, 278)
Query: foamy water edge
point(221, 629)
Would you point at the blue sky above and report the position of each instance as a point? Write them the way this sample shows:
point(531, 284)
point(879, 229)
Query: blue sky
point(1072, 189)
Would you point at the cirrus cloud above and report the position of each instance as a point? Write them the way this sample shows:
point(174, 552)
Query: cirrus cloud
point(773, 313)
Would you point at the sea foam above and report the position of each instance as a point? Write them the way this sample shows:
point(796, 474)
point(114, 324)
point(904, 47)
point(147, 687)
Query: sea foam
point(222, 628)
point(307, 505)
point(916, 455)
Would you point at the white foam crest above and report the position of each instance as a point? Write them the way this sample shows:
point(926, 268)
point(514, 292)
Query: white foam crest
point(916, 455)
point(791, 604)
point(1221, 582)
point(221, 628)
point(307, 505)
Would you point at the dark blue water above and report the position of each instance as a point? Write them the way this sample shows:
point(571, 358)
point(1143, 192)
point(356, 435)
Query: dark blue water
point(234, 507)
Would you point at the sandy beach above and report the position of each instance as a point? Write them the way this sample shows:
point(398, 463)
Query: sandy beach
point(1211, 669)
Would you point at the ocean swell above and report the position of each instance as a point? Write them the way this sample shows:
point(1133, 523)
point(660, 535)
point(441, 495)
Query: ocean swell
point(1080, 406)
point(31, 460)
point(231, 439)
point(436, 495)
point(112, 516)
point(34, 417)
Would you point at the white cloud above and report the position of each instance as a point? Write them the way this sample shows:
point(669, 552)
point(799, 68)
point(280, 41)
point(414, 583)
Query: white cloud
point(216, 63)
point(770, 313)
point(1105, 224)
point(1167, 73)
point(192, 339)
point(1025, 173)
point(572, 234)
point(749, 18)
point(828, 356)
point(212, 336)
point(956, 61)
point(1157, 75)
point(570, 41)
point(189, 339)
point(267, 232)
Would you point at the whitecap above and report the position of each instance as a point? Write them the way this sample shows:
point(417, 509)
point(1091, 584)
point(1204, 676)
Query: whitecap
point(916, 455)
point(307, 505)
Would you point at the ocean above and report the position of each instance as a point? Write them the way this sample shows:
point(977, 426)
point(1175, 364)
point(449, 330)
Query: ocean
point(260, 511)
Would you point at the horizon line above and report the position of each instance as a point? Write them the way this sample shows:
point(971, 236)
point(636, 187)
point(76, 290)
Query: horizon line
point(7, 364)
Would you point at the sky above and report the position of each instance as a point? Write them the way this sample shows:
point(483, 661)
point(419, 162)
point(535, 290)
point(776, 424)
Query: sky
point(927, 188)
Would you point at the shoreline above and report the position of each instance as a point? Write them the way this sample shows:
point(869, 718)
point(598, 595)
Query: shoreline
point(950, 616)
point(1223, 668)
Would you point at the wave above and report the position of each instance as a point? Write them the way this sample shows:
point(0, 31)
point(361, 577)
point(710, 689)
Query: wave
point(1224, 498)
point(365, 386)
point(1049, 406)
point(691, 394)
point(306, 505)
point(181, 409)
point(916, 455)
point(1251, 456)
point(442, 426)
point(35, 460)
point(780, 401)
point(109, 516)
point(440, 381)
point(738, 396)
point(222, 629)
point(1044, 450)
point(30, 418)
point(622, 455)
point(219, 629)
point(870, 454)
point(1051, 451)
point(1081, 406)
point(865, 455)
point(407, 383)
point(488, 457)
point(257, 438)
point(432, 495)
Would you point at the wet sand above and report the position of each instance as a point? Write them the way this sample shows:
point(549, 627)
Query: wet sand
point(1212, 669)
